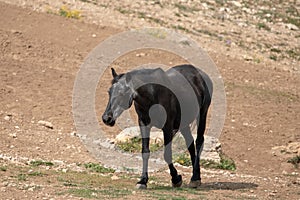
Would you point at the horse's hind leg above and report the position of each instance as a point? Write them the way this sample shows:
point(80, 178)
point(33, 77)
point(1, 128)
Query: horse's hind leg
point(196, 178)
point(189, 141)
point(176, 179)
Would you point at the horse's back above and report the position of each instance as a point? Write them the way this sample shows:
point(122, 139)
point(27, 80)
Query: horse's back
point(198, 80)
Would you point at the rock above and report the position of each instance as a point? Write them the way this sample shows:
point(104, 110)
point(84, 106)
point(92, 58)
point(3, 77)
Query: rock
point(236, 3)
point(74, 134)
point(140, 55)
point(7, 117)
point(94, 35)
point(292, 27)
point(114, 177)
point(46, 124)
point(293, 147)
point(211, 144)
point(156, 137)
point(13, 135)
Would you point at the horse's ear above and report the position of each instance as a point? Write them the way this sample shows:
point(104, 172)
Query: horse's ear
point(114, 73)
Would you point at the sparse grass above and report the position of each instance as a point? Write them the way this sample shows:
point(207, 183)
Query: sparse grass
point(262, 25)
point(225, 162)
point(36, 173)
point(275, 50)
point(185, 8)
point(3, 168)
point(36, 163)
point(83, 192)
point(68, 13)
point(134, 145)
point(293, 53)
point(183, 159)
point(21, 177)
point(123, 11)
point(264, 94)
point(93, 193)
point(273, 57)
point(295, 161)
point(94, 167)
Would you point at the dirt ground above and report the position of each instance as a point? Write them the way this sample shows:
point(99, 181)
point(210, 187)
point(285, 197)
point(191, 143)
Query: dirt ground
point(40, 56)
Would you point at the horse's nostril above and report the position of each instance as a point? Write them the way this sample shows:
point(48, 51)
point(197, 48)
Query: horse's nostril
point(107, 119)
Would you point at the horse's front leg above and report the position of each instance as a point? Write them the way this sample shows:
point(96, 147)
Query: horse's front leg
point(176, 178)
point(145, 132)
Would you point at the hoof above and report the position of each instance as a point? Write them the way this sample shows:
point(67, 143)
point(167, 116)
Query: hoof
point(194, 184)
point(141, 186)
point(178, 182)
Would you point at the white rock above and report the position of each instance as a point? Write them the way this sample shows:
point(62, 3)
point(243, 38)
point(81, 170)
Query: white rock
point(236, 3)
point(74, 134)
point(292, 27)
point(46, 124)
point(114, 177)
point(13, 135)
point(7, 118)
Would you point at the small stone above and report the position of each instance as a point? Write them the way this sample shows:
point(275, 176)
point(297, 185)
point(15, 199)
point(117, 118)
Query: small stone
point(236, 3)
point(245, 124)
point(5, 184)
point(13, 135)
point(114, 177)
point(292, 27)
point(46, 124)
point(7, 118)
point(94, 35)
point(247, 58)
point(74, 134)
point(64, 170)
point(140, 55)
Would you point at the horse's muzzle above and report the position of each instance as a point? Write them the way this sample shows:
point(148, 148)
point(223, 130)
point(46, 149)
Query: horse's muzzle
point(108, 120)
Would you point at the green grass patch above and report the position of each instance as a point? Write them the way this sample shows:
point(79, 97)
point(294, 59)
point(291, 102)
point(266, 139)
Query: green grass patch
point(273, 57)
point(295, 161)
point(35, 173)
point(262, 25)
point(183, 159)
point(225, 162)
point(22, 177)
point(3, 168)
point(68, 13)
point(36, 163)
point(292, 53)
point(94, 167)
point(134, 145)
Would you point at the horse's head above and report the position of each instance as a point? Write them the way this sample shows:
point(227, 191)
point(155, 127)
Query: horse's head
point(121, 96)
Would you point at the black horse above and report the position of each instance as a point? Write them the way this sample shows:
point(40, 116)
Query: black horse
point(170, 100)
